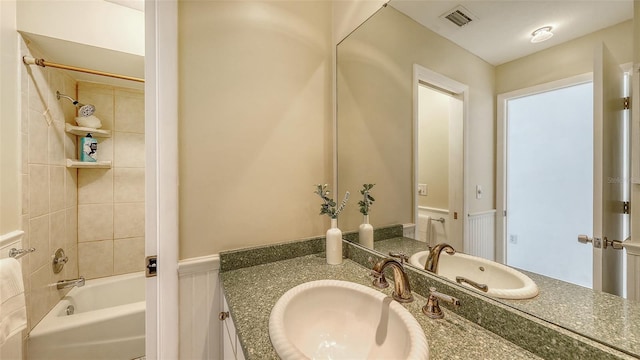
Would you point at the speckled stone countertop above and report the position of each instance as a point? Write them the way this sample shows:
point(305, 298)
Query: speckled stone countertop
point(606, 318)
point(251, 292)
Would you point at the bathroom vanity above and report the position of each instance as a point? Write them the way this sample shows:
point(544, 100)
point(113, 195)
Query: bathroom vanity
point(480, 328)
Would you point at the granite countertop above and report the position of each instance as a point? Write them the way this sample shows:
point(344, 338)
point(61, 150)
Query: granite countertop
point(607, 318)
point(251, 292)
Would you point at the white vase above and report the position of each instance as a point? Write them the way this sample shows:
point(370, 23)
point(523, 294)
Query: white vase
point(365, 233)
point(334, 244)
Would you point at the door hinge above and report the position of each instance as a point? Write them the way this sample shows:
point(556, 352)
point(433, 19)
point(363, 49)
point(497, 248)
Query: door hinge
point(627, 103)
point(626, 207)
point(151, 266)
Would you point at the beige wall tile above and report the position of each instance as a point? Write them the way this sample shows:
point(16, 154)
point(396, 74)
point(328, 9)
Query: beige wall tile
point(128, 255)
point(70, 270)
point(24, 111)
point(95, 259)
point(95, 222)
point(105, 149)
point(25, 194)
point(95, 186)
point(57, 231)
point(38, 88)
point(24, 153)
point(71, 229)
point(39, 239)
point(71, 187)
point(101, 97)
point(56, 143)
point(129, 150)
point(128, 185)
point(56, 107)
point(70, 143)
point(128, 220)
point(42, 293)
point(57, 187)
point(38, 138)
point(129, 111)
point(38, 190)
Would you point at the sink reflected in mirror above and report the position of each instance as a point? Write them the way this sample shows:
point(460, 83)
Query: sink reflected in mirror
point(489, 277)
point(331, 319)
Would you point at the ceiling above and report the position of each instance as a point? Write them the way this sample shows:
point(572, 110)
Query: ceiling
point(90, 57)
point(501, 29)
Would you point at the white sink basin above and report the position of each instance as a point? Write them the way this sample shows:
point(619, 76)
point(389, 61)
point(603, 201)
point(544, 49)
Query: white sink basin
point(331, 319)
point(502, 281)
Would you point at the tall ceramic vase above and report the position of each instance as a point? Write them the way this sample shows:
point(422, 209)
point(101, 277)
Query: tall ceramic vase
point(365, 233)
point(334, 244)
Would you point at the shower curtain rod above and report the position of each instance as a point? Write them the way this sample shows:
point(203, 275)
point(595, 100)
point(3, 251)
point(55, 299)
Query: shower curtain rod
point(43, 63)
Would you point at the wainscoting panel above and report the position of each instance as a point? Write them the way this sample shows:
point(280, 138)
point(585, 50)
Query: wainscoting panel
point(200, 303)
point(633, 270)
point(431, 231)
point(482, 234)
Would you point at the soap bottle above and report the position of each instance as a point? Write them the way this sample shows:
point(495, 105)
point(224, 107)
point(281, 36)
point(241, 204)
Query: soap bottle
point(88, 149)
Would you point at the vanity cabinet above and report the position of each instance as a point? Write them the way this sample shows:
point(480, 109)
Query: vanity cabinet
point(231, 349)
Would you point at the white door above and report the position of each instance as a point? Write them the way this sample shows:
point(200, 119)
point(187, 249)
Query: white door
point(609, 220)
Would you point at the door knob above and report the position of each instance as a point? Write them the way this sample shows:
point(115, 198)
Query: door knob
point(616, 244)
point(584, 239)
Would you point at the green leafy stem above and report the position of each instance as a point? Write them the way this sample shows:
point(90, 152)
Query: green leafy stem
point(367, 199)
point(329, 206)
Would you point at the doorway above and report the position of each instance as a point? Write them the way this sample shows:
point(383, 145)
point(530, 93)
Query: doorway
point(553, 172)
point(549, 182)
point(439, 158)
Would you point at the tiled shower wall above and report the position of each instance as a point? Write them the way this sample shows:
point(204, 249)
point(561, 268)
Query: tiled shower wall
point(111, 201)
point(95, 215)
point(49, 195)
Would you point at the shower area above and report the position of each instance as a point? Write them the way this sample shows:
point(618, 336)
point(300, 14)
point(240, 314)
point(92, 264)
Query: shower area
point(82, 213)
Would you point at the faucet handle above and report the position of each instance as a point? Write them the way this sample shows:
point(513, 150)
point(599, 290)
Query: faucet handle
point(432, 308)
point(379, 280)
point(399, 255)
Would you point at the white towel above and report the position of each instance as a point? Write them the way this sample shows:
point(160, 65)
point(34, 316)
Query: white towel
point(13, 311)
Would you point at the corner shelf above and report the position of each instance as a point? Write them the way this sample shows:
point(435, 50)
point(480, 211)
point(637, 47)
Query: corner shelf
point(88, 165)
point(82, 131)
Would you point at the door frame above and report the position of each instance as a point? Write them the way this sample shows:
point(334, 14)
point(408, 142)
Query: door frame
point(161, 177)
point(501, 151)
point(457, 174)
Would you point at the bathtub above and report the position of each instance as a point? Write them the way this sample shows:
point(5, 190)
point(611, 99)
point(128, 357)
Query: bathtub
point(107, 323)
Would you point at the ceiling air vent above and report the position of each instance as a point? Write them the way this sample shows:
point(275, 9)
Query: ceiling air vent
point(459, 16)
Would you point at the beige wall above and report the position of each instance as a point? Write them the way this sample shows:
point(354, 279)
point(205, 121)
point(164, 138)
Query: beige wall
point(565, 60)
point(375, 94)
point(111, 201)
point(255, 122)
point(9, 120)
point(433, 147)
point(49, 209)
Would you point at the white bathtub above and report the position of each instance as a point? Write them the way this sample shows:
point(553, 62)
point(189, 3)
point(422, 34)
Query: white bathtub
point(108, 322)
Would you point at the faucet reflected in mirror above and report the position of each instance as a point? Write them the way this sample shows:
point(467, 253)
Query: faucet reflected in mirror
point(371, 66)
point(433, 259)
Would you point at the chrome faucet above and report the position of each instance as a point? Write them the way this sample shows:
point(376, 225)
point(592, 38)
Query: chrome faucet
point(431, 264)
point(63, 284)
point(402, 292)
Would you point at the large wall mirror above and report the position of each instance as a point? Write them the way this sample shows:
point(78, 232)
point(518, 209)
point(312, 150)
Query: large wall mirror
point(419, 116)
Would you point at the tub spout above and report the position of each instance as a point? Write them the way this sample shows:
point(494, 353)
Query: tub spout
point(63, 284)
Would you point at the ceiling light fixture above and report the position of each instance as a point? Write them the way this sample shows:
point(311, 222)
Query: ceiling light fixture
point(542, 34)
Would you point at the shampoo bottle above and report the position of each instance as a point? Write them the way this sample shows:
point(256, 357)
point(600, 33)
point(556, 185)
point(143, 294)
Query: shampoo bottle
point(88, 149)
